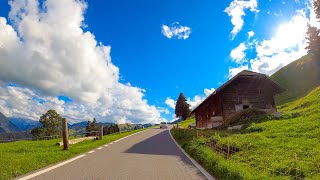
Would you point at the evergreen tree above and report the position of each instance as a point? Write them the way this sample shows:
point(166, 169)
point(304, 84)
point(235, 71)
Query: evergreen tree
point(182, 107)
point(313, 33)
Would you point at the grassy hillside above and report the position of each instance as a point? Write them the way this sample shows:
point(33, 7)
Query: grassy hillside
point(285, 148)
point(187, 122)
point(298, 78)
point(18, 158)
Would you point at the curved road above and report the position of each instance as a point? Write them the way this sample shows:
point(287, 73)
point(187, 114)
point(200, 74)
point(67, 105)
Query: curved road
point(150, 154)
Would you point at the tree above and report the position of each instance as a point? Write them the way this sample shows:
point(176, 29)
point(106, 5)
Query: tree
point(182, 107)
point(313, 33)
point(37, 132)
point(92, 126)
point(313, 40)
point(51, 124)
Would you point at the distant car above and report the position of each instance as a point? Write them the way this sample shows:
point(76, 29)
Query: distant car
point(163, 125)
point(193, 125)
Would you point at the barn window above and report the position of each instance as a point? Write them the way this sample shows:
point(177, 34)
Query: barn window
point(245, 107)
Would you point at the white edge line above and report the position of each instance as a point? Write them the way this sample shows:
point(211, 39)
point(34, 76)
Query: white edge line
point(106, 145)
point(91, 152)
point(195, 163)
point(99, 148)
point(51, 168)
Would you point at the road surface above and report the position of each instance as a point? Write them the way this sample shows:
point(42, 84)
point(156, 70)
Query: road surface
point(150, 154)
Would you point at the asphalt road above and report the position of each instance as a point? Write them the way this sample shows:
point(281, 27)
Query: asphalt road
point(150, 154)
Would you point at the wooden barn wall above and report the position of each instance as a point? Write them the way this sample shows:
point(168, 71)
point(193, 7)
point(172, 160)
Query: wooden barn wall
point(257, 92)
point(205, 112)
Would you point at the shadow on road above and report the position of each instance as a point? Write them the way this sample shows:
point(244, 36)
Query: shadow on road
point(159, 144)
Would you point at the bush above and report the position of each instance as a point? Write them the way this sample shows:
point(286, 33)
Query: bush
point(254, 128)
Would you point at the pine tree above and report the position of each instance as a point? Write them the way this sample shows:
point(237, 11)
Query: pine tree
point(313, 33)
point(182, 107)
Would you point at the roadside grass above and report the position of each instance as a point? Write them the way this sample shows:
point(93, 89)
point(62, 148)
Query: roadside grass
point(187, 122)
point(21, 157)
point(284, 148)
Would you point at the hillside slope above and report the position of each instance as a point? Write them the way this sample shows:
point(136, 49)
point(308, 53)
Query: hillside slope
point(298, 78)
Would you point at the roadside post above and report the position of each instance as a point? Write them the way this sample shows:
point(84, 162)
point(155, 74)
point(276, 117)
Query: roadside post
point(101, 132)
point(65, 134)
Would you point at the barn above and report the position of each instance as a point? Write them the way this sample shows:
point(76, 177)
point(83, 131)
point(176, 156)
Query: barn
point(245, 90)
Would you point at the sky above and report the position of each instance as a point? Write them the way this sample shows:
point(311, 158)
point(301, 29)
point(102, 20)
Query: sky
point(127, 61)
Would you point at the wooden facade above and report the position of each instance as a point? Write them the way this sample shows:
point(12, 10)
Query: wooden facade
point(245, 90)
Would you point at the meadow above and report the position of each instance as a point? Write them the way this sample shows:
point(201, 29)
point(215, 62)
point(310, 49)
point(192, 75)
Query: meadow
point(281, 148)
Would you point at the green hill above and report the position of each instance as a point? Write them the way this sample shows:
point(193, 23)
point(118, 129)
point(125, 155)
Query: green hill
point(298, 78)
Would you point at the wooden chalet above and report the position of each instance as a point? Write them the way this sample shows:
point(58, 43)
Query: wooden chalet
point(245, 90)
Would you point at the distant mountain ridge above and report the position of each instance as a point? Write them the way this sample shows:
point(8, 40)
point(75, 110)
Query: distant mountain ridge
point(298, 78)
point(6, 126)
point(24, 124)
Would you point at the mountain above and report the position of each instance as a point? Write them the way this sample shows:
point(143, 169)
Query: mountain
point(298, 78)
point(24, 124)
point(82, 125)
point(6, 125)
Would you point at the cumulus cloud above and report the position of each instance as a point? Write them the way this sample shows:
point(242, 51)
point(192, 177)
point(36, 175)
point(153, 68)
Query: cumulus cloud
point(46, 51)
point(250, 34)
point(286, 46)
point(176, 30)
point(238, 54)
point(236, 12)
point(197, 99)
point(170, 102)
point(235, 70)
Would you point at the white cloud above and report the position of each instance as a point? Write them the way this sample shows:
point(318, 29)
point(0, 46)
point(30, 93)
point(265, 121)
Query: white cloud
point(207, 92)
point(47, 52)
point(238, 54)
point(234, 71)
point(171, 103)
point(286, 46)
point(197, 99)
point(176, 30)
point(250, 34)
point(236, 11)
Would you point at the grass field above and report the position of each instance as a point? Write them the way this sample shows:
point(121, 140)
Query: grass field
point(18, 158)
point(186, 122)
point(285, 148)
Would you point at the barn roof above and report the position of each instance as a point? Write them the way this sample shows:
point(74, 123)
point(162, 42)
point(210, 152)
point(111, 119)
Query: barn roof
point(242, 73)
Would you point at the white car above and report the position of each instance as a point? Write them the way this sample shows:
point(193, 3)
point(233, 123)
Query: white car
point(163, 125)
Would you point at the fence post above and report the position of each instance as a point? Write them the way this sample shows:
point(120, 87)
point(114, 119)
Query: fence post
point(65, 134)
point(101, 132)
point(228, 150)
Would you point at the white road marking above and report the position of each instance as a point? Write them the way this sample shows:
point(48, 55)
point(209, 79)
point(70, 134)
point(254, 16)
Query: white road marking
point(91, 152)
point(106, 145)
point(99, 148)
point(111, 143)
point(51, 168)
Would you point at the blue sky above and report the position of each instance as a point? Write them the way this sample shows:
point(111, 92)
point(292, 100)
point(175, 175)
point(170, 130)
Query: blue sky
point(148, 65)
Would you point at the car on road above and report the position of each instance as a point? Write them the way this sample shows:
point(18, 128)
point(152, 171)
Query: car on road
point(163, 125)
